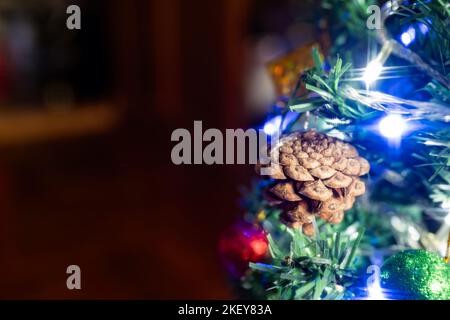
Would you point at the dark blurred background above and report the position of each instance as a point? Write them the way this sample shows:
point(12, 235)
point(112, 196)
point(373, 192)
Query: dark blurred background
point(86, 118)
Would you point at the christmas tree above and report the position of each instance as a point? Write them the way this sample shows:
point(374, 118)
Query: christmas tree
point(359, 204)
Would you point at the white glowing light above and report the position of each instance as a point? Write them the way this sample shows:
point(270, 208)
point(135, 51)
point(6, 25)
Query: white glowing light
point(408, 36)
point(272, 125)
point(372, 72)
point(447, 220)
point(445, 205)
point(392, 126)
point(375, 292)
point(432, 143)
point(436, 286)
point(393, 5)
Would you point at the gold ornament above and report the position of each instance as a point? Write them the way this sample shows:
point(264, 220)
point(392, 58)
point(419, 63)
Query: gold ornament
point(285, 71)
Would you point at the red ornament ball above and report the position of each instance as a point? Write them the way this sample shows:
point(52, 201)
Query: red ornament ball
point(240, 244)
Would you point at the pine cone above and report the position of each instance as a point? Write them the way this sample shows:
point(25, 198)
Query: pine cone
point(316, 175)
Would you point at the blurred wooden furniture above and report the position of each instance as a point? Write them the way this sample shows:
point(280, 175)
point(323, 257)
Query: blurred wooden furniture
point(17, 128)
point(104, 201)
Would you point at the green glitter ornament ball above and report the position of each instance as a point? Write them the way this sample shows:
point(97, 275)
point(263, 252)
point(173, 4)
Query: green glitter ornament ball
point(416, 275)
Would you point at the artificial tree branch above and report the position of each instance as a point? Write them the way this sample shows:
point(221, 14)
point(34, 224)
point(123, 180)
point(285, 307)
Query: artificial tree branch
point(384, 38)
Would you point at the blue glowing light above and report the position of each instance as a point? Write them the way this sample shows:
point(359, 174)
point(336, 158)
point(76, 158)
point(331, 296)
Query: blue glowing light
point(408, 36)
point(423, 28)
point(271, 126)
point(275, 124)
